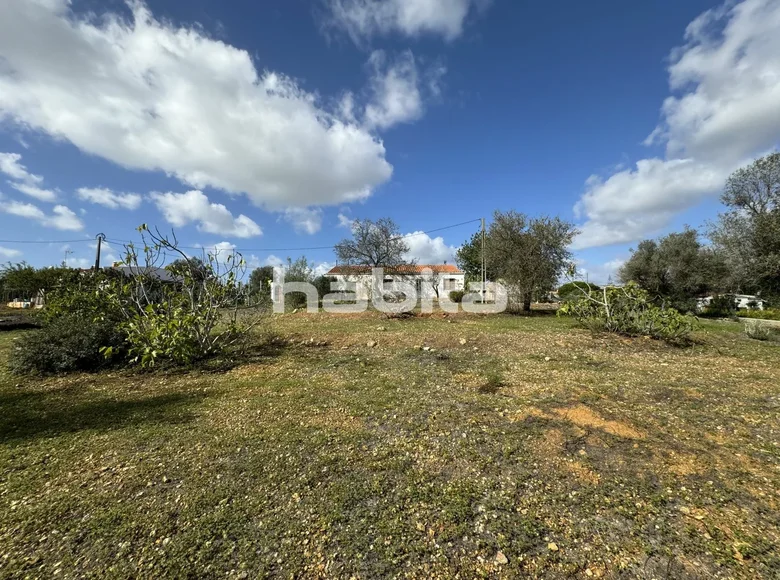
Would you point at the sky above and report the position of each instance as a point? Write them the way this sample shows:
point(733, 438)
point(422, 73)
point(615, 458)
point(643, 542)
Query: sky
point(267, 127)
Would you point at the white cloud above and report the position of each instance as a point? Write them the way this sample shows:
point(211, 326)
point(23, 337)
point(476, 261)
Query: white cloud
point(108, 198)
point(397, 91)
point(304, 220)
point(181, 209)
point(345, 221)
point(322, 268)
point(9, 252)
point(362, 19)
point(600, 273)
point(9, 164)
point(724, 113)
point(34, 191)
point(427, 250)
point(61, 218)
point(24, 181)
point(147, 95)
point(274, 261)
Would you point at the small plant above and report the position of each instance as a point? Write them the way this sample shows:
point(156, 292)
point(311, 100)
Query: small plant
point(72, 342)
point(758, 330)
point(493, 382)
point(629, 311)
point(767, 314)
point(457, 296)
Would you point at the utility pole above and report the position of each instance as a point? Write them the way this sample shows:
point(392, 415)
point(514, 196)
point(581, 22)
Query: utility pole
point(484, 273)
point(100, 238)
point(68, 252)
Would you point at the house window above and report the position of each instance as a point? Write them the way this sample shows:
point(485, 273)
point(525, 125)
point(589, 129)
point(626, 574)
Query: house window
point(450, 284)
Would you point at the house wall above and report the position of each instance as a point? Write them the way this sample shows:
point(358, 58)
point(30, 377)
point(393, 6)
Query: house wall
point(742, 301)
point(362, 284)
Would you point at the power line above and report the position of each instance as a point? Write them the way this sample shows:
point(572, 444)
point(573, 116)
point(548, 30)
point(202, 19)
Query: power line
point(115, 241)
point(43, 241)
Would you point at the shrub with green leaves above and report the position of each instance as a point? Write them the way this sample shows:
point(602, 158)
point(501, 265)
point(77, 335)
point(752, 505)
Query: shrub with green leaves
point(72, 342)
point(457, 296)
point(629, 311)
point(758, 330)
point(767, 314)
point(573, 290)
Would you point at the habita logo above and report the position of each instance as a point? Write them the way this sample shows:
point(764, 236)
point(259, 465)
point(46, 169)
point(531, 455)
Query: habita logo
point(387, 292)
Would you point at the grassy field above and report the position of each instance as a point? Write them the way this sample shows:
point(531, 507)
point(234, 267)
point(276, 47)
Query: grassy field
point(471, 446)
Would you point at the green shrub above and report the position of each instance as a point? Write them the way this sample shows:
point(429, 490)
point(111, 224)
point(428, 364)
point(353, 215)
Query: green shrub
point(629, 311)
point(576, 289)
point(768, 314)
point(457, 296)
point(72, 342)
point(758, 330)
point(721, 306)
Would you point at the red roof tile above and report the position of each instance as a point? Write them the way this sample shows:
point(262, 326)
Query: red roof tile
point(405, 269)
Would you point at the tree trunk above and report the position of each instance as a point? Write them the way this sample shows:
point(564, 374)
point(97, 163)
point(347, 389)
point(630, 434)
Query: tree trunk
point(527, 302)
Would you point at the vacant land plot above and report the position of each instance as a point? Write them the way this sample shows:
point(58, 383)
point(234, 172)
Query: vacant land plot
point(430, 447)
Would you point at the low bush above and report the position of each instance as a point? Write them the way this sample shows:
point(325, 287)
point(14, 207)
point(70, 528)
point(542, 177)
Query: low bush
point(72, 342)
point(576, 289)
point(457, 296)
point(721, 306)
point(768, 314)
point(628, 311)
point(758, 330)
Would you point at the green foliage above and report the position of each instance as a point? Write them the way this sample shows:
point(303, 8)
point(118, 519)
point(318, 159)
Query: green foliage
point(766, 314)
point(83, 294)
point(260, 284)
point(758, 330)
point(72, 342)
point(457, 296)
point(675, 269)
point(629, 311)
point(322, 284)
point(721, 306)
point(469, 260)
point(572, 290)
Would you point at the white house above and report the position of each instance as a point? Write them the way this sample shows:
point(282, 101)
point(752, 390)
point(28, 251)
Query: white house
point(430, 280)
point(742, 301)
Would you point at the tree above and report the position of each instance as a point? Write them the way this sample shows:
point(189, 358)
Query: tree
point(748, 234)
point(377, 244)
point(528, 254)
point(469, 259)
point(677, 268)
point(260, 283)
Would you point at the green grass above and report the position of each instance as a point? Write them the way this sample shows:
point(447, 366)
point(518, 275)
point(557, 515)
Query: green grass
point(346, 460)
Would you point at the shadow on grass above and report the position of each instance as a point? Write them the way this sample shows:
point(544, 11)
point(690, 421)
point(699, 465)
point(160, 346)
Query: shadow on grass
point(28, 416)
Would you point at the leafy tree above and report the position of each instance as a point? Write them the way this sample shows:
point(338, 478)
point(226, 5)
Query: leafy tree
point(469, 259)
point(322, 283)
point(747, 234)
point(374, 244)
point(572, 290)
point(260, 282)
point(676, 268)
point(528, 254)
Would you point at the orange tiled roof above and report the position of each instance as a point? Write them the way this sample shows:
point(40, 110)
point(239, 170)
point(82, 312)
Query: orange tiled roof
point(404, 269)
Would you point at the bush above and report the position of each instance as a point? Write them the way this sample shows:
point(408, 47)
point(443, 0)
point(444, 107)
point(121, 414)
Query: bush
point(457, 296)
point(72, 342)
point(768, 314)
point(574, 290)
point(629, 311)
point(721, 306)
point(758, 330)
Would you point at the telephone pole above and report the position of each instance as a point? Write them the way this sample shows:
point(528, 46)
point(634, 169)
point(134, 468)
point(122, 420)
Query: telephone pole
point(484, 273)
point(100, 238)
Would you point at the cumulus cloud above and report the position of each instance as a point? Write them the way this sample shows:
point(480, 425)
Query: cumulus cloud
point(345, 221)
point(181, 209)
point(108, 198)
point(362, 19)
point(24, 181)
point(148, 95)
point(725, 81)
point(61, 218)
point(427, 250)
point(304, 220)
point(9, 252)
point(397, 89)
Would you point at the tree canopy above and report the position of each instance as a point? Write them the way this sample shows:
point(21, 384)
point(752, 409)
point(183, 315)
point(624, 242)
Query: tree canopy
point(374, 243)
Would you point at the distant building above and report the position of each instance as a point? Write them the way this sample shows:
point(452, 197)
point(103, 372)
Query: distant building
point(742, 301)
point(442, 279)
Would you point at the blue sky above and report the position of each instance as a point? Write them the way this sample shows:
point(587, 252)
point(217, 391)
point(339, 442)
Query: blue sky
point(269, 125)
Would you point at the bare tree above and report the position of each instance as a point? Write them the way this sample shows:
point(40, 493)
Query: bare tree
point(376, 244)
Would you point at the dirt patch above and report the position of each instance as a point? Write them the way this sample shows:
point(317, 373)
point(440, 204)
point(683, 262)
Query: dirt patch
point(582, 416)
